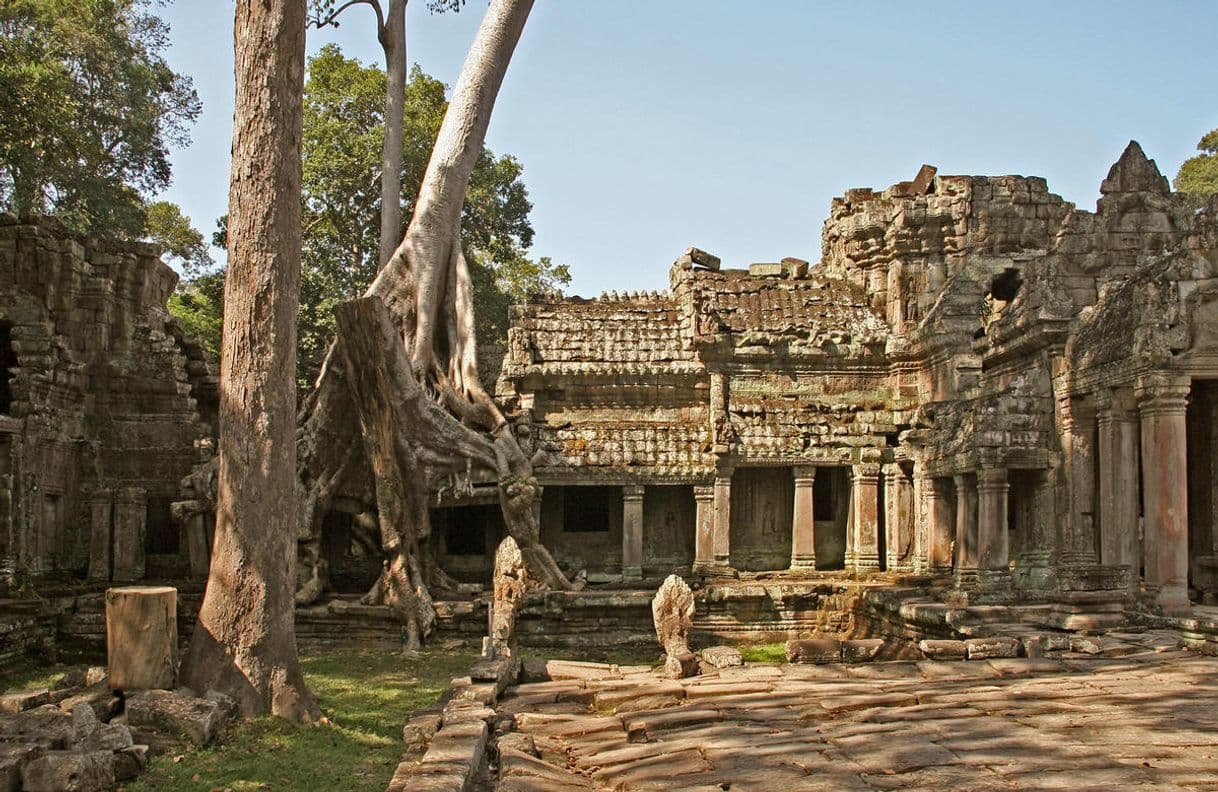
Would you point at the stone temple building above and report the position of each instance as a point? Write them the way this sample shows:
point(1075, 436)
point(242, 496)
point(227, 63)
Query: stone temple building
point(105, 404)
point(977, 380)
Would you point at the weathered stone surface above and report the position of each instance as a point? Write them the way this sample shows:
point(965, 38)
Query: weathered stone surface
point(511, 583)
point(814, 650)
point(858, 650)
point(104, 703)
point(722, 656)
point(943, 649)
point(82, 677)
point(672, 611)
point(13, 756)
point(197, 719)
point(420, 728)
point(69, 771)
point(26, 700)
point(986, 648)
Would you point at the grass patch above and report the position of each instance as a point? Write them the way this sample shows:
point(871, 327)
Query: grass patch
point(32, 677)
point(366, 695)
point(764, 653)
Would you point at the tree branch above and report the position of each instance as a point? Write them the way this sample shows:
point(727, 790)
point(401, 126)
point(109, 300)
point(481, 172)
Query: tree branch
point(320, 21)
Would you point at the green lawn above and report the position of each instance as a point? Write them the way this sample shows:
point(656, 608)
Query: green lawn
point(764, 653)
point(366, 695)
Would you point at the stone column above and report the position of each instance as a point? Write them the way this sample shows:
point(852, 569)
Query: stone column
point(862, 542)
point(966, 561)
point(100, 547)
point(721, 540)
point(1078, 431)
point(803, 523)
point(704, 528)
point(898, 518)
point(942, 528)
point(1117, 455)
point(632, 532)
point(130, 514)
point(1162, 404)
point(992, 538)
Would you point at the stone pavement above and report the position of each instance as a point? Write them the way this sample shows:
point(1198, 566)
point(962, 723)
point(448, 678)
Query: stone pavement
point(1149, 718)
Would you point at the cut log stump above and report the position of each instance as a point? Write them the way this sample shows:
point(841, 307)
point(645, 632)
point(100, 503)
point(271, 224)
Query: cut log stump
point(142, 637)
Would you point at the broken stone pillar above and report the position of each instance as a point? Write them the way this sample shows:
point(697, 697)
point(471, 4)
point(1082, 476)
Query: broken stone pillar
point(1078, 429)
point(704, 528)
point(966, 562)
point(942, 529)
point(142, 637)
point(632, 533)
point(1162, 403)
point(510, 585)
point(898, 518)
point(100, 541)
point(803, 523)
point(862, 541)
point(722, 540)
point(1118, 474)
point(672, 611)
point(993, 554)
point(130, 514)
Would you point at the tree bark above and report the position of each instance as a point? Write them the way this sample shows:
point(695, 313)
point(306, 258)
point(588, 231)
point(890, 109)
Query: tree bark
point(244, 644)
point(393, 41)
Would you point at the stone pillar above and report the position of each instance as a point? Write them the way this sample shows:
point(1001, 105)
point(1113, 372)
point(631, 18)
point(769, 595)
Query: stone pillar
point(862, 542)
point(942, 528)
point(966, 561)
point(803, 523)
point(1117, 456)
point(898, 518)
point(632, 533)
point(704, 528)
point(100, 516)
point(721, 540)
point(130, 514)
point(992, 548)
point(1078, 432)
point(1162, 406)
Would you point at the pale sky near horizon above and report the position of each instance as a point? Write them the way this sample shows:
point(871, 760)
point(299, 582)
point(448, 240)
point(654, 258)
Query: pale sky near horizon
point(646, 127)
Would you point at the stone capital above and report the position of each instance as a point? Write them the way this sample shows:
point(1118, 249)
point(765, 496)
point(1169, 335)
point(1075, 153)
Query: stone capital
point(992, 480)
point(804, 475)
point(865, 472)
point(1162, 394)
point(704, 492)
point(633, 492)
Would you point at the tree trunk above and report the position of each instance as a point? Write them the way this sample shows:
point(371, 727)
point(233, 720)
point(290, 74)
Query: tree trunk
point(393, 41)
point(244, 644)
point(408, 369)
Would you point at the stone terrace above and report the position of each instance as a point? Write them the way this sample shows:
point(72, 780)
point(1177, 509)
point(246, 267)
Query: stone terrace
point(1146, 718)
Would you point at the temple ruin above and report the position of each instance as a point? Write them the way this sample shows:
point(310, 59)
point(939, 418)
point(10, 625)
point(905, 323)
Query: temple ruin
point(977, 380)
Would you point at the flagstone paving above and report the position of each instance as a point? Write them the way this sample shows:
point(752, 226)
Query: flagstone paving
point(1146, 719)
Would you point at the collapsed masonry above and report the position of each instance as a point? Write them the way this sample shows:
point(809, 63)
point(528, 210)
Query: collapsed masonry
point(105, 404)
point(977, 379)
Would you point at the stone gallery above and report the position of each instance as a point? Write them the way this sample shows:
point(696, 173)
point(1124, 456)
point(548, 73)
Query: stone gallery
point(978, 379)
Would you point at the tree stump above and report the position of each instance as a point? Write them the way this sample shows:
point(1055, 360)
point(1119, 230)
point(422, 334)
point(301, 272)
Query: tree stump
point(142, 637)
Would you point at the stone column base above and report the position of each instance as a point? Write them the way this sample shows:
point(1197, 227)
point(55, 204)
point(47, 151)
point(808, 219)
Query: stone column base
point(803, 563)
point(714, 569)
point(1087, 610)
point(630, 573)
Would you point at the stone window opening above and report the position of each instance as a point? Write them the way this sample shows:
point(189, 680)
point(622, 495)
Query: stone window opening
point(8, 362)
point(587, 509)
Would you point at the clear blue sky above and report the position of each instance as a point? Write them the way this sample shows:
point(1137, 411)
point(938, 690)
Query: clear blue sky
point(645, 126)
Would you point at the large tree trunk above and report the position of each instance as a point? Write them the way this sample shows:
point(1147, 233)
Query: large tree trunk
point(393, 41)
point(413, 383)
point(245, 641)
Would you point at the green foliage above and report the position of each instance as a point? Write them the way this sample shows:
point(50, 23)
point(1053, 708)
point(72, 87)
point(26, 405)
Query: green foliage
point(182, 244)
point(367, 696)
point(1198, 176)
point(88, 109)
point(344, 108)
point(199, 303)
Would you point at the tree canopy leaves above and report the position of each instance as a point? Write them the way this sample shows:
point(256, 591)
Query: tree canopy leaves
point(88, 109)
point(1198, 176)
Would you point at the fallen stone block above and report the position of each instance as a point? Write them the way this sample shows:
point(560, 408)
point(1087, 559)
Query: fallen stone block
point(130, 762)
point(942, 649)
point(14, 756)
point(99, 697)
point(722, 656)
point(419, 730)
point(197, 719)
point(25, 700)
point(1087, 644)
point(69, 771)
point(861, 650)
point(47, 726)
point(988, 648)
point(681, 665)
point(814, 650)
point(82, 677)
